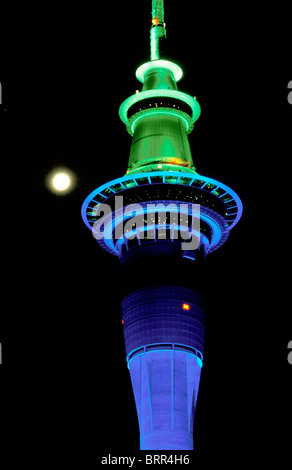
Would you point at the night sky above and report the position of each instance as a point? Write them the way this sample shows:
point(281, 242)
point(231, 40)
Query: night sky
point(64, 74)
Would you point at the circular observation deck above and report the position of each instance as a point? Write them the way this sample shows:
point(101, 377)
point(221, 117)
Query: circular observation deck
point(160, 101)
point(219, 209)
point(156, 66)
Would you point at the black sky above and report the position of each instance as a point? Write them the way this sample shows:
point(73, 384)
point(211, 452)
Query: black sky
point(64, 74)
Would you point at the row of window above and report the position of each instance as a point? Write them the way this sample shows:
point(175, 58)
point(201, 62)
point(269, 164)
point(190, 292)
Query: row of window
point(160, 102)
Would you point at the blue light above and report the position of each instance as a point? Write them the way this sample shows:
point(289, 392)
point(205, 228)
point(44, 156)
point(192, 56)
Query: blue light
point(178, 178)
point(162, 347)
point(165, 385)
point(192, 257)
point(218, 235)
point(199, 361)
point(165, 374)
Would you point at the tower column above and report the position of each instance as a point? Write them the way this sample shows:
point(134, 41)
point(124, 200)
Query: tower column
point(164, 338)
point(160, 139)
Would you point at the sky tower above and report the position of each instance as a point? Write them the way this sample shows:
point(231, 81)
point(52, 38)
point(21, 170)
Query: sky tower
point(161, 219)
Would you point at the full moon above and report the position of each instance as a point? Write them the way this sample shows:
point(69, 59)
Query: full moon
point(61, 181)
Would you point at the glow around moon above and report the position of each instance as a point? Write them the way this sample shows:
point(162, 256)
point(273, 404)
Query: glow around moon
point(61, 181)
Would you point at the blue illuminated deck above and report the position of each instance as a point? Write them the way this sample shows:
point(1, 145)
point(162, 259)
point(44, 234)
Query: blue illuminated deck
point(230, 199)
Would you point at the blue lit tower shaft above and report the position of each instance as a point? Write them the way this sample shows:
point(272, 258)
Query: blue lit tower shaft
point(162, 309)
point(163, 346)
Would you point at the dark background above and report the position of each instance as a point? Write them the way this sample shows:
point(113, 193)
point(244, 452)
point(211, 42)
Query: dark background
point(64, 74)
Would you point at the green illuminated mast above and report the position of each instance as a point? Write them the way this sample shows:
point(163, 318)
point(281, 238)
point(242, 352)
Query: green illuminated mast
point(157, 31)
point(159, 118)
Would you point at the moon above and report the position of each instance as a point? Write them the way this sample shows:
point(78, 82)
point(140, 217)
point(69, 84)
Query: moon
point(61, 181)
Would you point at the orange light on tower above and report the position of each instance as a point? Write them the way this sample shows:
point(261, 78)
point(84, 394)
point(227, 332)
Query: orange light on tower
point(155, 21)
point(186, 306)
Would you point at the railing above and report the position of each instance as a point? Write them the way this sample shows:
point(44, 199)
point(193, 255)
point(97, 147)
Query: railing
point(165, 347)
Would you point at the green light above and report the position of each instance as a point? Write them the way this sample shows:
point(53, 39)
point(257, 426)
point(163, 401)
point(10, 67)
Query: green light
point(154, 42)
point(151, 166)
point(156, 111)
point(157, 31)
point(189, 100)
point(144, 69)
point(158, 10)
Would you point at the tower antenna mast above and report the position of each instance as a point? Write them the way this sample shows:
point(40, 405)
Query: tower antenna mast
point(158, 30)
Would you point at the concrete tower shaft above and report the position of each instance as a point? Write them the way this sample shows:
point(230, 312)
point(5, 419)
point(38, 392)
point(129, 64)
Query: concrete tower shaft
point(164, 330)
point(165, 384)
point(168, 315)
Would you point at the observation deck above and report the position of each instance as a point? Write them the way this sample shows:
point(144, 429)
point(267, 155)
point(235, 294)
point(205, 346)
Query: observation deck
point(160, 172)
point(220, 207)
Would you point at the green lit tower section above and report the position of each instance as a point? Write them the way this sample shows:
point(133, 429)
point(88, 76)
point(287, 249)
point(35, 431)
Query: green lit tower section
point(163, 312)
point(159, 117)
